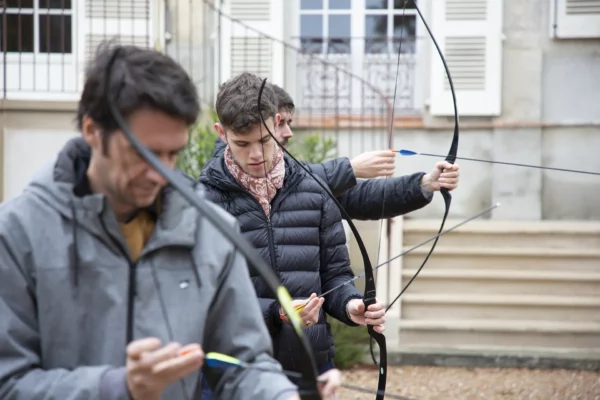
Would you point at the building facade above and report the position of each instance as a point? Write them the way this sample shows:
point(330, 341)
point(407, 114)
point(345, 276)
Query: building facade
point(523, 72)
point(45, 47)
point(525, 75)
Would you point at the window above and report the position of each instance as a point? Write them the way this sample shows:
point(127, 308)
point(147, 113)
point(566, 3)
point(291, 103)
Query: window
point(360, 41)
point(36, 26)
point(575, 19)
point(45, 44)
point(325, 26)
point(386, 22)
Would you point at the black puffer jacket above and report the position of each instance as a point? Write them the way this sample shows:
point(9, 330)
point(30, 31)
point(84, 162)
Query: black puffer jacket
point(370, 199)
point(303, 241)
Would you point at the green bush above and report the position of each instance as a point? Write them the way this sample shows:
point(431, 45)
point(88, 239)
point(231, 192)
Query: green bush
point(351, 344)
point(313, 148)
point(200, 146)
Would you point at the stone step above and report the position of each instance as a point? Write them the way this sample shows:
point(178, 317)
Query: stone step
point(545, 234)
point(505, 333)
point(434, 306)
point(504, 258)
point(498, 281)
point(495, 356)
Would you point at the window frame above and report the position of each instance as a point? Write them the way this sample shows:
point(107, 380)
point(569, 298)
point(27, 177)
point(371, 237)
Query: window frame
point(358, 55)
point(36, 11)
point(44, 76)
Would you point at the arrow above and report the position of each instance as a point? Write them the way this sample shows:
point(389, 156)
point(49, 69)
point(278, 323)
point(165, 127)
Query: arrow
point(223, 361)
point(408, 153)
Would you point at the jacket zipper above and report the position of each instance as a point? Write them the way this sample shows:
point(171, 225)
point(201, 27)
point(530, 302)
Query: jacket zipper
point(131, 294)
point(270, 234)
point(131, 290)
point(272, 247)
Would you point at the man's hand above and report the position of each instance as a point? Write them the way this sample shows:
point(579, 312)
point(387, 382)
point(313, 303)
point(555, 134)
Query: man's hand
point(151, 368)
point(329, 383)
point(375, 315)
point(310, 312)
point(332, 381)
point(373, 164)
point(444, 175)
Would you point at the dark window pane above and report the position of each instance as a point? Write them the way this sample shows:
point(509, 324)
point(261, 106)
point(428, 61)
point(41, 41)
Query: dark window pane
point(312, 46)
point(339, 4)
point(407, 30)
point(55, 34)
point(376, 4)
point(399, 4)
point(311, 4)
point(338, 46)
point(376, 27)
point(311, 32)
point(17, 3)
point(339, 34)
point(18, 32)
point(405, 26)
point(55, 4)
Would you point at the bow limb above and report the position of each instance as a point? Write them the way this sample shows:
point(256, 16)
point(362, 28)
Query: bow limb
point(451, 157)
point(236, 239)
point(370, 288)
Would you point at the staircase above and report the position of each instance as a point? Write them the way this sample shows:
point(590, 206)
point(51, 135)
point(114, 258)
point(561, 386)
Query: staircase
point(503, 287)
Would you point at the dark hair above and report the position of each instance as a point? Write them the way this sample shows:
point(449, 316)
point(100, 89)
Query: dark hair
point(237, 103)
point(284, 100)
point(139, 78)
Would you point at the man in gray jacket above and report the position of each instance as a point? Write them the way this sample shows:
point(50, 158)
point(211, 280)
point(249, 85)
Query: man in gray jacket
point(112, 285)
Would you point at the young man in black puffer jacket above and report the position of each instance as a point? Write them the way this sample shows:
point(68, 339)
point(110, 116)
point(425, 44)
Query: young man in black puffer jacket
point(289, 218)
point(351, 181)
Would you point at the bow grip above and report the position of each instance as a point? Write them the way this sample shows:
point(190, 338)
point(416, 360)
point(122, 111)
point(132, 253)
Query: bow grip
point(369, 298)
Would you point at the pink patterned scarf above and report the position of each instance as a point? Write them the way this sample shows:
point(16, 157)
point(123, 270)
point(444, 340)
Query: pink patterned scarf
point(264, 190)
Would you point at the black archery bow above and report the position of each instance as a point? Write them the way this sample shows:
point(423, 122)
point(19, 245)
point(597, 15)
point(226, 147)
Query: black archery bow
point(239, 242)
point(370, 293)
point(451, 157)
point(452, 153)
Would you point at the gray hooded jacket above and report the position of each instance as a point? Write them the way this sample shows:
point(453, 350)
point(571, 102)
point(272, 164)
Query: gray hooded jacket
point(64, 282)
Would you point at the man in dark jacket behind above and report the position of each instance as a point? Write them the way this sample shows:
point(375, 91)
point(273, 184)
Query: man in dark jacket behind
point(289, 218)
point(366, 198)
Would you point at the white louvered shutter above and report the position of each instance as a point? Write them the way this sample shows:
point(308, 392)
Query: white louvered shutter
point(122, 21)
point(245, 48)
point(575, 18)
point(469, 32)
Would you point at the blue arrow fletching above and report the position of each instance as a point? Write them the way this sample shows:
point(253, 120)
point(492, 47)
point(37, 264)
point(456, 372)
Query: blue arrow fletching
point(404, 152)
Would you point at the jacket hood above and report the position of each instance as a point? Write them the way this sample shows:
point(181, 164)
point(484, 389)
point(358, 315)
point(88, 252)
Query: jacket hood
point(54, 183)
point(54, 186)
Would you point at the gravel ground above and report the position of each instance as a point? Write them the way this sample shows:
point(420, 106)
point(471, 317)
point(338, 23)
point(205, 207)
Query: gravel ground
point(448, 383)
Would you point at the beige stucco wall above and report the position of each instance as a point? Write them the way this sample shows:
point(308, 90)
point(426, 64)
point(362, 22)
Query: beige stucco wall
point(32, 133)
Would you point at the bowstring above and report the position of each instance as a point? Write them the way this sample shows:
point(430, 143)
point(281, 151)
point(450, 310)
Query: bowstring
point(390, 139)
